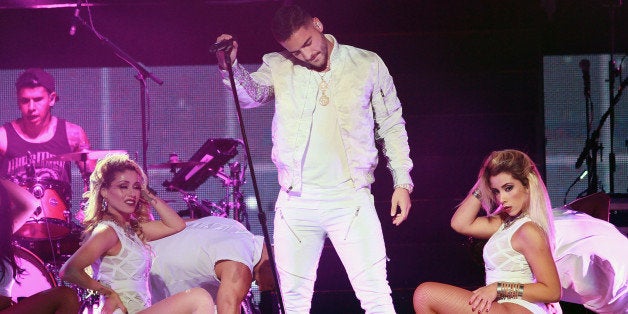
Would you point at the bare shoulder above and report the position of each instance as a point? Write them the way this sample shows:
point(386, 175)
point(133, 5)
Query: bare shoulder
point(103, 230)
point(104, 240)
point(76, 136)
point(73, 128)
point(530, 236)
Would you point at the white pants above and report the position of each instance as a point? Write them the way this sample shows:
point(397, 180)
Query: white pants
point(351, 223)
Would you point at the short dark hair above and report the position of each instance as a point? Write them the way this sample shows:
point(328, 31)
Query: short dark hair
point(287, 20)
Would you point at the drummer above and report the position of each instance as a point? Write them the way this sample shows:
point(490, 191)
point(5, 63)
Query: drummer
point(29, 142)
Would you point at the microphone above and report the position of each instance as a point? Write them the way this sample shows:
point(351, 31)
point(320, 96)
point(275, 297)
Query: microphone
point(226, 44)
point(584, 66)
point(75, 17)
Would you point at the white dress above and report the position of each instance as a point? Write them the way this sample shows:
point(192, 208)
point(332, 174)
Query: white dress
point(503, 263)
point(186, 259)
point(127, 272)
point(591, 259)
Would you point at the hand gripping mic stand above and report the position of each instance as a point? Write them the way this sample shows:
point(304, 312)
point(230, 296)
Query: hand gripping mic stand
point(261, 214)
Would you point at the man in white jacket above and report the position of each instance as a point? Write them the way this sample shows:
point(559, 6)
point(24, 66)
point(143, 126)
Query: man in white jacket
point(332, 103)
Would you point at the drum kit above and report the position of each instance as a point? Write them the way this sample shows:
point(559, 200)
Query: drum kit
point(49, 237)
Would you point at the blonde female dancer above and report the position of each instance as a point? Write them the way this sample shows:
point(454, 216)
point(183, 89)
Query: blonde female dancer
point(115, 243)
point(521, 276)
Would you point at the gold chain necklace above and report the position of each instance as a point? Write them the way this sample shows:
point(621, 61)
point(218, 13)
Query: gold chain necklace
point(323, 87)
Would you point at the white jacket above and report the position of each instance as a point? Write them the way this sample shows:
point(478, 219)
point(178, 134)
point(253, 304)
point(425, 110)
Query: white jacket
point(368, 110)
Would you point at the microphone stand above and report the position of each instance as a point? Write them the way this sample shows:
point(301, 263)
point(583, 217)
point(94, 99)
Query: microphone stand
point(591, 162)
point(261, 214)
point(142, 75)
point(592, 144)
point(612, 72)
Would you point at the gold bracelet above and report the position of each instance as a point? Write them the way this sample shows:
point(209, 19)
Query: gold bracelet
point(509, 290)
point(520, 291)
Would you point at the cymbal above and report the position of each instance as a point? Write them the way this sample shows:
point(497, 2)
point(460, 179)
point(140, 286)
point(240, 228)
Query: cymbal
point(85, 154)
point(175, 164)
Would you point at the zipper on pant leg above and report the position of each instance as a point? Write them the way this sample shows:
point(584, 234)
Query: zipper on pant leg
point(288, 225)
point(355, 215)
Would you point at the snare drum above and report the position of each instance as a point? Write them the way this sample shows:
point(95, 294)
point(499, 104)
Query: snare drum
point(34, 279)
point(51, 219)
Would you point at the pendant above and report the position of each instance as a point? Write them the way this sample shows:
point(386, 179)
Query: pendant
point(324, 99)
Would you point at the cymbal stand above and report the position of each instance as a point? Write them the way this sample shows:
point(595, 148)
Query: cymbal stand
point(191, 200)
point(233, 202)
point(84, 172)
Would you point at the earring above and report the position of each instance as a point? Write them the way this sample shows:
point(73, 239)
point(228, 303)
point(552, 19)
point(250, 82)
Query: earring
point(104, 205)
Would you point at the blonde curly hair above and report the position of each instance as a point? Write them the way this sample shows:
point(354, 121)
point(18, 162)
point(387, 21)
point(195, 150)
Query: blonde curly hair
point(102, 177)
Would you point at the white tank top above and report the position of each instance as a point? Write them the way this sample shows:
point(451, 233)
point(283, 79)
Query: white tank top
point(127, 272)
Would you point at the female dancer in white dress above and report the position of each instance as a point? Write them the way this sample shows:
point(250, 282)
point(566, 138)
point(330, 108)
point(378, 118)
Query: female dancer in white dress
point(521, 276)
point(115, 243)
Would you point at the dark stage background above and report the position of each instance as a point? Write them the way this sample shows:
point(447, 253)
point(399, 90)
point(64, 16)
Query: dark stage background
point(469, 73)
